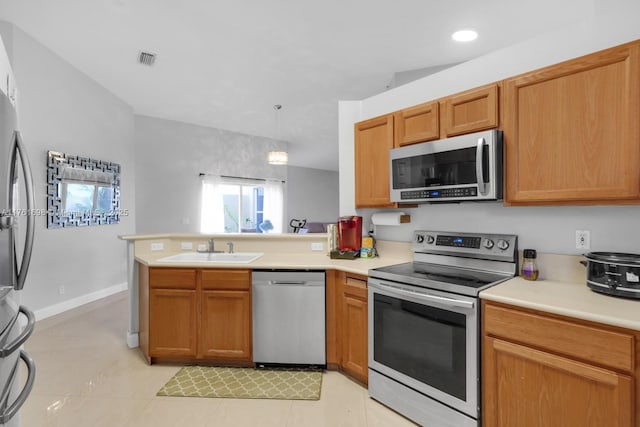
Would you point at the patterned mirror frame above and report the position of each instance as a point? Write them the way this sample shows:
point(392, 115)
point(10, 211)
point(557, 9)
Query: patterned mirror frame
point(56, 215)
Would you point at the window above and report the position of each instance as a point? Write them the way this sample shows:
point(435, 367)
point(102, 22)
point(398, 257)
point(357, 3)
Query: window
point(235, 205)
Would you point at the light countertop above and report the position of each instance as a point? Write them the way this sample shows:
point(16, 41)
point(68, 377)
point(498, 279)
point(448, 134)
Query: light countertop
point(572, 299)
point(561, 288)
point(284, 260)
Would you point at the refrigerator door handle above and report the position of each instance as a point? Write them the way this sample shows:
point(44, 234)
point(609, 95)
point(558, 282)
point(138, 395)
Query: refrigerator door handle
point(12, 410)
point(26, 332)
point(19, 149)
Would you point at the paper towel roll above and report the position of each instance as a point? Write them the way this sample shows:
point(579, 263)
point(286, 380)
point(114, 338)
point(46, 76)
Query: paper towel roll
point(390, 218)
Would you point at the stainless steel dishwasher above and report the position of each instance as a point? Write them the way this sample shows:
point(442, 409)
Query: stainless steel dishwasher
point(289, 317)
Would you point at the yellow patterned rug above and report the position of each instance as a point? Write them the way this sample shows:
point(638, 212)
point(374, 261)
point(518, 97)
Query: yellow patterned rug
point(244, 383)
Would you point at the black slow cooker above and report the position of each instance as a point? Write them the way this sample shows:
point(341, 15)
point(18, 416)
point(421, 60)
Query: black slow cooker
point(614, 273)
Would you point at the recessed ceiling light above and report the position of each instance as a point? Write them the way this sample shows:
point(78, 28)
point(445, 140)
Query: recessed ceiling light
point(464, 35)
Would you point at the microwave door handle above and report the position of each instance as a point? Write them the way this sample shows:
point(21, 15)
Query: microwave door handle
point(482, 186)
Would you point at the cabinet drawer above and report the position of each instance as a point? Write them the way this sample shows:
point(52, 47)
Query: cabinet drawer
point(175, 278)
point(356, 287)
point(600, 346)
point(226, 279)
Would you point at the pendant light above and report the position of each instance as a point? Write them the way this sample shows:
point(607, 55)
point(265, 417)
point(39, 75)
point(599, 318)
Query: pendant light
point(277, 157)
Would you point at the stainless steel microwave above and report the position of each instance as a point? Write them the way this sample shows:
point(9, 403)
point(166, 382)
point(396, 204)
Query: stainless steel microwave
point(462, 168)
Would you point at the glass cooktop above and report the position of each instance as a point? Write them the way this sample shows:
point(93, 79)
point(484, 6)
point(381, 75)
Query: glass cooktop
point(449, 278)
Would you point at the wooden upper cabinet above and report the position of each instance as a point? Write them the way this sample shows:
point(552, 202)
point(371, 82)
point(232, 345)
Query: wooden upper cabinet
point(417, 124)
point(373, 140)
point(470, 111)
point(572, 131)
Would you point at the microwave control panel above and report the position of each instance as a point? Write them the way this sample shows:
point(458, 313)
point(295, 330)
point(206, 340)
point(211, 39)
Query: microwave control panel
point(443, 193)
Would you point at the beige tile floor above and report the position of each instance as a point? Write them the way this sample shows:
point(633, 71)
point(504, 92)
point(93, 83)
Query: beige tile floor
point(87, 376)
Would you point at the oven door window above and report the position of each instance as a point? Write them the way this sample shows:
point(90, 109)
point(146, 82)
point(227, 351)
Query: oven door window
point(455, 167)
point(425, 343)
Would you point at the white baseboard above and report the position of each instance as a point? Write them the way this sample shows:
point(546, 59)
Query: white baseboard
point(52, 310)
point(133, 340)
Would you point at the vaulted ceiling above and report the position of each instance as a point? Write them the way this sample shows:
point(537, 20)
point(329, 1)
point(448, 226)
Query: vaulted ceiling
point(224, 64)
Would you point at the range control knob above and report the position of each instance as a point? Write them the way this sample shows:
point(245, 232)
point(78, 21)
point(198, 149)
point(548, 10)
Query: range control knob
point(419, 238)
point(430, 239)
point(503, 245)
point(488, 243)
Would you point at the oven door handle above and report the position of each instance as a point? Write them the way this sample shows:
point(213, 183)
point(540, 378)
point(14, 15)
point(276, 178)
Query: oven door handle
point(482, 186)
point(403, 292)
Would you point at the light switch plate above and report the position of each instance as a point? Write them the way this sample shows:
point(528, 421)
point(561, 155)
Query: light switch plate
point(157, 246)
point(317, 246)
point(186, 246)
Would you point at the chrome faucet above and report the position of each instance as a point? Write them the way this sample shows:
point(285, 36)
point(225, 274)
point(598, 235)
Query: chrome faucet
point(211, 248)
point(230, 244)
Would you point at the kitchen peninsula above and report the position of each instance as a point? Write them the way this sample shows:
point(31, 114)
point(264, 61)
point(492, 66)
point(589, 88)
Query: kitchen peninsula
point(346, 279)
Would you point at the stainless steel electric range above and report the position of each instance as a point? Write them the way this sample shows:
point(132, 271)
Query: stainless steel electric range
point(424, 325)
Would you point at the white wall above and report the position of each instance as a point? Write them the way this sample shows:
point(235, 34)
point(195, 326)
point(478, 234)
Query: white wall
point(169, 157)
point(61, 109)
point(312, 194)
point(548, 229)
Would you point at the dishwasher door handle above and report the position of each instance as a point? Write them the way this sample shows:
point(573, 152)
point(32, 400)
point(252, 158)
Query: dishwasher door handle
point(295, 282)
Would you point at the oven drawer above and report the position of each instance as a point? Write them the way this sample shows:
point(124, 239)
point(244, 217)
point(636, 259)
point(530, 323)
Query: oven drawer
point(597, 345)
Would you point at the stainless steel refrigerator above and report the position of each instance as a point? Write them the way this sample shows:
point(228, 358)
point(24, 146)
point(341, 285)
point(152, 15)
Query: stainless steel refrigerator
point(16, 243)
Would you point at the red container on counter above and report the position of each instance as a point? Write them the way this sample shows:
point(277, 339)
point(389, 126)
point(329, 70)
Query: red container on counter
point(349, 233)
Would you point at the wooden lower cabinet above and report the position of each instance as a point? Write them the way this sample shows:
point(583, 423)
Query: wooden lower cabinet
point(225, 320)
point(354, 327)
point(172, 320)
point(195, 314)
point(541, 370)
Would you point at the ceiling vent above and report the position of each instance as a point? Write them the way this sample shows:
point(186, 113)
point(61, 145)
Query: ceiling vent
point(146, 58)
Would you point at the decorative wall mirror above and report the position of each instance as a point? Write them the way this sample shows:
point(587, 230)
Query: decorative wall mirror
point(81, 191)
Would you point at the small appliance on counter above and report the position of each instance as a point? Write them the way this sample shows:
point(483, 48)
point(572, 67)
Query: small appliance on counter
point(349, 237)
point(613, 273)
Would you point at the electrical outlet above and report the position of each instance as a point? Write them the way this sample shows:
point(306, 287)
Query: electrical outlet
point(186, 246)
point(583, 239)
point(317, 246)
point(61, 290)
point(157, 246)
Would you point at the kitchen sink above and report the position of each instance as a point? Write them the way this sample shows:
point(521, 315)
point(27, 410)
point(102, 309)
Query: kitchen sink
point(214, 257)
